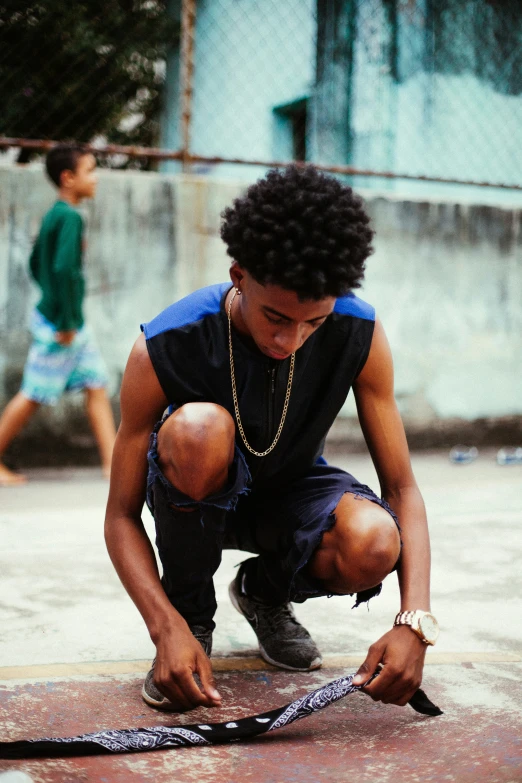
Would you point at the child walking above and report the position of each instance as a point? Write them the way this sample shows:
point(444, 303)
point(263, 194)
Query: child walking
point(63, 355)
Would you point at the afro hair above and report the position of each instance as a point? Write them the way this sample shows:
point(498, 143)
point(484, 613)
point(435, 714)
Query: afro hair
point(301, 230)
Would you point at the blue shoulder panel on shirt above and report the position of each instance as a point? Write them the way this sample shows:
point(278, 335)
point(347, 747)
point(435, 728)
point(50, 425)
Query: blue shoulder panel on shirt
point(352, 305)
point(191, 308)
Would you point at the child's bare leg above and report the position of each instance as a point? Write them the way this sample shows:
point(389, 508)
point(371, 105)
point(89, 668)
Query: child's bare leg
point(17, 413)
point(101, 420)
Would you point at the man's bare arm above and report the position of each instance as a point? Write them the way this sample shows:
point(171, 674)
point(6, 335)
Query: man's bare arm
point(178, 653)
point(400, 650)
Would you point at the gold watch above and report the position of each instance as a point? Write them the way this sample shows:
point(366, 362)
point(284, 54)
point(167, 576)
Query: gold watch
point(422, 623)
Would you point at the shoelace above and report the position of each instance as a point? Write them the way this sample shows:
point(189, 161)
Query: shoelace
point(276, 617)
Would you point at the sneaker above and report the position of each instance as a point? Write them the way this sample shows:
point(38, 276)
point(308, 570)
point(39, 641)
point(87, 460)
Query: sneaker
point(151, 695)
point(283, 641)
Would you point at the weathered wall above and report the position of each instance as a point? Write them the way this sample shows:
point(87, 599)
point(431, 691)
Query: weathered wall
point(255, 57)
point(131, 274)
point(446, 280)
point(416, 87)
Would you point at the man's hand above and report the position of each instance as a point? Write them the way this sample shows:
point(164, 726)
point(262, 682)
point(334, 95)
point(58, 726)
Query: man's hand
point(401, 655)
point(178, 657)
point(65, 338)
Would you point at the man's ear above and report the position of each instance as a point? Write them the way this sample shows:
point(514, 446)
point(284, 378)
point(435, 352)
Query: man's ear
point(237, 274)
point(66, 178)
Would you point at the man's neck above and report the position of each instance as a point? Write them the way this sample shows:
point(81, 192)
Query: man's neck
point(64, 194)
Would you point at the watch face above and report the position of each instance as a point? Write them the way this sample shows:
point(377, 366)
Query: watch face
point(429, 627)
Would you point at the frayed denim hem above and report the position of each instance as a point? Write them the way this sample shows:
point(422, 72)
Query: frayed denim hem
point(226, 499)
point(302, 588)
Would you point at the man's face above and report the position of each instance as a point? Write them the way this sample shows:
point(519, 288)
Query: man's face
point(82, 182)
point(274, 317)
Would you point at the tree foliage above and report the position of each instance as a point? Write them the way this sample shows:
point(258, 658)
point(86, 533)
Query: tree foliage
point(77, 70)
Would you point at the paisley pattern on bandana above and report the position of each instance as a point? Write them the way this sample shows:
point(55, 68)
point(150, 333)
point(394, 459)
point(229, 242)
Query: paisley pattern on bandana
point(312, 702)
point(133, 740)
point(160, 737)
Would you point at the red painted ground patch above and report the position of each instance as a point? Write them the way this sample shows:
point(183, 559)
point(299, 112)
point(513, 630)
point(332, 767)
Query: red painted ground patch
point(355, 740)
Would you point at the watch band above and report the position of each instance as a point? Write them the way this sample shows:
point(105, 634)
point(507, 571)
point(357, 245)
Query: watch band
point(414, 619)
point(405, 618)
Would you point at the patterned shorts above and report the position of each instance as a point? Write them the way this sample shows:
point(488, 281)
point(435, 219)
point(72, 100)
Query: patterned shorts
point(52, 369)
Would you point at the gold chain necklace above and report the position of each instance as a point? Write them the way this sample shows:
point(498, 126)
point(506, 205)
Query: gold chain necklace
point(234, 390)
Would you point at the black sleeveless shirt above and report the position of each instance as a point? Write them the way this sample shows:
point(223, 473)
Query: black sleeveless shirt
point(188, 348)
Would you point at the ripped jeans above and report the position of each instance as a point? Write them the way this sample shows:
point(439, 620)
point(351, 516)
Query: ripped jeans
point(283, 528)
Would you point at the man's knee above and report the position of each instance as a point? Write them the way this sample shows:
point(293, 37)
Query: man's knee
point(196, 448)
point(361, 549)
point(365, 562)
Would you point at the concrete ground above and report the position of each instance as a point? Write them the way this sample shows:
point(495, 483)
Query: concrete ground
point(73, 649)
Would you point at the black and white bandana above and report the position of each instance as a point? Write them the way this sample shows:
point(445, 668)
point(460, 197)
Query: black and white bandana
point(162, 737)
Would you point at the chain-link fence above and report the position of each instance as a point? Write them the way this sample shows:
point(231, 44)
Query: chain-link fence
point(91, 70)
point(417, 88)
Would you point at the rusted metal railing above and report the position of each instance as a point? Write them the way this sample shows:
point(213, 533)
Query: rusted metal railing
point(187, 158)
point(42, 145)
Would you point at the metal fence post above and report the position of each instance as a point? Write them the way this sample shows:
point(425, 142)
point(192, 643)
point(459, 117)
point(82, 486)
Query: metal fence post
point(188, 24)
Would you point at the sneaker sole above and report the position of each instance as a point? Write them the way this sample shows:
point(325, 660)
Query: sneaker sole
point(164, 706)
point(316, 663)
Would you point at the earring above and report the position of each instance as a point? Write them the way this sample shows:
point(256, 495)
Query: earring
point(238, 291)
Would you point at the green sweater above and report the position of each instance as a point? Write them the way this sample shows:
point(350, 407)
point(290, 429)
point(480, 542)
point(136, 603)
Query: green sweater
point(56, 265)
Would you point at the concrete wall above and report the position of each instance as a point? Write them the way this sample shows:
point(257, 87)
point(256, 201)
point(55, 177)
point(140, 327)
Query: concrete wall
point(446, 280)
point(131, 274)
